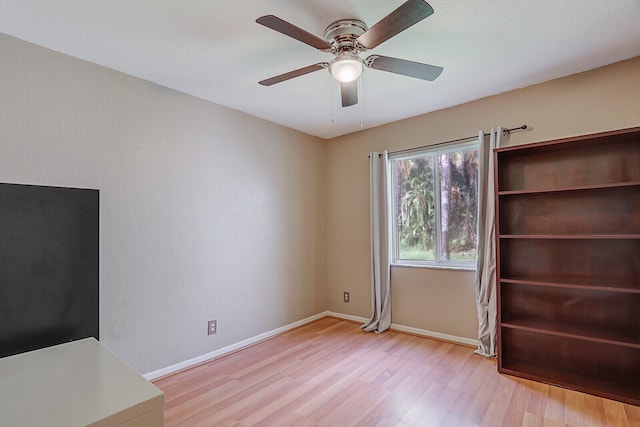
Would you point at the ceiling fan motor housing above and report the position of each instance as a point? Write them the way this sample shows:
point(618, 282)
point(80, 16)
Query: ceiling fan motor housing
point(342, 35)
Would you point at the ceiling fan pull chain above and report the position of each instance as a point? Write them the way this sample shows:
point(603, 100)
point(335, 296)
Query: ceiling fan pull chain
point(360, 90)
point(333, 100)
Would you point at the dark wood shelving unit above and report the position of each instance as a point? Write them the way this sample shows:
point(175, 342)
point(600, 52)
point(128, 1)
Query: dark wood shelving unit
point(568, 241)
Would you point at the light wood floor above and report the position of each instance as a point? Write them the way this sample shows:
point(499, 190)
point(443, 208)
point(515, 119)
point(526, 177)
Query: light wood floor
point(330, 373)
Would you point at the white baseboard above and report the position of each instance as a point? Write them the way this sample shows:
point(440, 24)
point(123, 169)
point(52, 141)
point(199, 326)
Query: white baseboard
point(409, 329)
point(230, 348)
point(347, 317)
point(436, 335)
point(249, 341)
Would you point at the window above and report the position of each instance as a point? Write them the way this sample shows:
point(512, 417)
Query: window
point(434, 195)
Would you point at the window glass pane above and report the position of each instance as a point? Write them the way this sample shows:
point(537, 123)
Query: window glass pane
point(458, 172)
point(435, 196)
point(414, 210)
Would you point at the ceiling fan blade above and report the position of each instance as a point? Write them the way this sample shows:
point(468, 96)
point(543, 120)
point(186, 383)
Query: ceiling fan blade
point(404, 67)
point(284, 27)
point(295, 73)
point(349, 93)
point(409, 13)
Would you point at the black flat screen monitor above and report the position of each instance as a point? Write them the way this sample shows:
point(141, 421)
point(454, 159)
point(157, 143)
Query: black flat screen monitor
point(49, 266)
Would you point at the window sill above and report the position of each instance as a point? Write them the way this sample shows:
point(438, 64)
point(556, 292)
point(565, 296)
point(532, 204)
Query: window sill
point(436, 267)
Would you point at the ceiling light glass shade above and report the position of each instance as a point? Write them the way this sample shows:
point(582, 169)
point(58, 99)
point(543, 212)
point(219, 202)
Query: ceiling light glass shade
point(346, 68)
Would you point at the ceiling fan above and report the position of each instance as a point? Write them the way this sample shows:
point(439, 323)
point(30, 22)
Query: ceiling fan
point(347, 38)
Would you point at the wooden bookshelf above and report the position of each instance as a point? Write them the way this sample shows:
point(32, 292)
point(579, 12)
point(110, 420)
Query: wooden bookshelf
point(568, 240)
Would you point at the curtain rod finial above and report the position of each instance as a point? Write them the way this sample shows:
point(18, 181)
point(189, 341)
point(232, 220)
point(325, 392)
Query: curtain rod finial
point(506, 131)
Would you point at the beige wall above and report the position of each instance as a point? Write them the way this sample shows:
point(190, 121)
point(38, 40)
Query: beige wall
point(206, 213)
point(444, 301)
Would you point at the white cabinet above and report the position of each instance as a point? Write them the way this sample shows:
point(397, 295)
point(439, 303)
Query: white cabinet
point(76, 384)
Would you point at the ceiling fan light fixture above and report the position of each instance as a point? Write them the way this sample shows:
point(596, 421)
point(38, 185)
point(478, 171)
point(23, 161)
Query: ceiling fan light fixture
point(346, 67)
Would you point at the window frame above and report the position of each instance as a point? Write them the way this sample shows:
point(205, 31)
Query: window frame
point(433, 151)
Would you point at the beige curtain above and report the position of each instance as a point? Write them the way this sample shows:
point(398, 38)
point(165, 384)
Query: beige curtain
point(486, 265)
point(380, 243)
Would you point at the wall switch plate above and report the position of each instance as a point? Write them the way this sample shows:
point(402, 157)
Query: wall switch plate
point(346, 297)
point(213, 326)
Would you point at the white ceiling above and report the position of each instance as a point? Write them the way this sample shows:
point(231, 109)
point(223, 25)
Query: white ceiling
point(214, 50)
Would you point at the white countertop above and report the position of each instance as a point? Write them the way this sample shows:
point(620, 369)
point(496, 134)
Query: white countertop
point(74, 384)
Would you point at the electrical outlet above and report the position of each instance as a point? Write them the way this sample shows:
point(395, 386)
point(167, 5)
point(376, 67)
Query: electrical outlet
point(346, 297)
point(213, 327)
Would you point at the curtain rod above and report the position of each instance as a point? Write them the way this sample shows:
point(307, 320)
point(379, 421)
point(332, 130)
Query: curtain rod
point(504, 131)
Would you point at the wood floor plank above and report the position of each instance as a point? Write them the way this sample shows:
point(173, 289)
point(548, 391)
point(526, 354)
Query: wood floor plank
point(514, 416)
point(331, 373)
point(633, 413)
point(353, 406)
